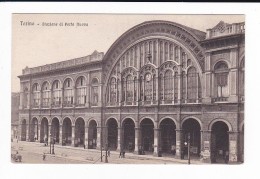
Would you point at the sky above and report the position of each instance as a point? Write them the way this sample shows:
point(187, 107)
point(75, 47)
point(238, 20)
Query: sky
point(36, 45)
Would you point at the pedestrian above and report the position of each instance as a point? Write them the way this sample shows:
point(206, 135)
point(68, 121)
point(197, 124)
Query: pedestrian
point(226, 156)
point(123, 154)
point(43, 156)
point(120, 154)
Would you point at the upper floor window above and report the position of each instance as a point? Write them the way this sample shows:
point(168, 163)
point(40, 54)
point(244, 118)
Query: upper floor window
point(46, 94)
point(56, 93)
point(81, 91)
point(242, 79)
point(25, 97)
point(36, 95)
point(113, 91)
point(221, 81)
point(68, 93)
point(192, 85)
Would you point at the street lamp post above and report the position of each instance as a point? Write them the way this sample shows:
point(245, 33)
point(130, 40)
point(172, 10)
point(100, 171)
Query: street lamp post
point(106, 160)
point(189, 148)
point(53, 141)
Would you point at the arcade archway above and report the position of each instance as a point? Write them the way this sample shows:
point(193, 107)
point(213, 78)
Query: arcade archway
point(129, 135)
point(92, 134)
point(219, 142)
point(66, 132)
point(55, 130)
point(192, 127)
point(44, 130)
point(112, 133)
point(34, 130)
point(168, 136)
point(147, 135)
point(79, 132)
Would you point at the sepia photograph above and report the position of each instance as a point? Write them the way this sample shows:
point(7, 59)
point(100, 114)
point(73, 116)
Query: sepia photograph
point(127, 88)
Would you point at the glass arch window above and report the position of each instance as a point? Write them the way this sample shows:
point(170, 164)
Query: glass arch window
point(46, 94)
point(221, 81)
point(129, 89)
point(148, 87)
point(36, 95)
point(68, 93)
point(81, 91)
point(56, 94)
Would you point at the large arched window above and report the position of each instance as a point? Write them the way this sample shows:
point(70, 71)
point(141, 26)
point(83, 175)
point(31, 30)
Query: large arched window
point(192, 85)
point(46, 94)
point(94, 90)
point(168, 86)
point(81, 91)
point(56, 94)
point(68, 93)
point(36, 95)
point(221, 81)
point(242, 79)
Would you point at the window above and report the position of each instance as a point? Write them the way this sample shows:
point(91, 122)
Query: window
point(56, 90)
point(81, 91)
point(168, 86)
point(36, 95)
point(46, 94)
point(68, 93)
point(129, 88)
point(95, 96)
point(25, 98)
point(221, 81)
point(192, 85)
point(113, 91)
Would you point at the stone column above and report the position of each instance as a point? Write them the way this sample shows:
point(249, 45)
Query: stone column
point(156, 142)
point(72, 135)
point(119, 141)
point(206, 146)
point(137, 140)
point(86, 138)
point(60, 136)
point(233, 147)
point(179, 142)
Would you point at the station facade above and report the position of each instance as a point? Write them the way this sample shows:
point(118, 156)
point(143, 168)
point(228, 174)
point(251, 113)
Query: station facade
point(159, 84)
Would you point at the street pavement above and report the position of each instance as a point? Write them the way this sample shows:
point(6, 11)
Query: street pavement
point(32, 152)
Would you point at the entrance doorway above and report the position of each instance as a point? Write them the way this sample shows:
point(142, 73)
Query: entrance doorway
point(44, 130)
point(66, 132)
point(147, 133)
point(79, 132)
point(112, 133)
point(191, 127)
point(34, 130)
point(92, 135)
point(219, 142)
point(168, 136)
point(23, 132)
point(129, 135)
point(55, 130)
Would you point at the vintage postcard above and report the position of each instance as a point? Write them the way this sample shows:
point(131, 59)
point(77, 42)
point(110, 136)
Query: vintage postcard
point(128, 88)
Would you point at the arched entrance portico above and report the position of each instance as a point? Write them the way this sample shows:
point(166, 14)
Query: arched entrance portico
point(92, 134)
point(44, 130)
point(168, 136)
point(55, 130)
point(219, 142)
point(34, 130)
point(79, 132)
point(147, 135)
point(112, 133)
point(129, 135)
point(23, 132)
point(66, 131)
point(192, 127)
